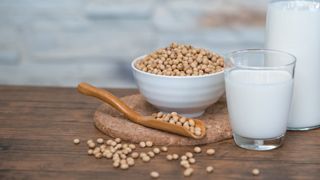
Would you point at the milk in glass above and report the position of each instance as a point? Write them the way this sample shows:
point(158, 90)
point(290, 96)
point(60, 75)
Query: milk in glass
point(259, 102)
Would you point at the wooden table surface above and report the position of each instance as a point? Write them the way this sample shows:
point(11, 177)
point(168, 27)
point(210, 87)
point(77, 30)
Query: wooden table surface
point(38, 125)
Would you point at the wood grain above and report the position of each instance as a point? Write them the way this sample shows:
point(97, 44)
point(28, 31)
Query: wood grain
point(38, 124)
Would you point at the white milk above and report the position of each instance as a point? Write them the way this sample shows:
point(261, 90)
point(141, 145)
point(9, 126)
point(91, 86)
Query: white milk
point(259, 102)
point(294, 27)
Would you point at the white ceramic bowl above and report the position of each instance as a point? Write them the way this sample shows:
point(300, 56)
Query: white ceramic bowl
point(186, 95)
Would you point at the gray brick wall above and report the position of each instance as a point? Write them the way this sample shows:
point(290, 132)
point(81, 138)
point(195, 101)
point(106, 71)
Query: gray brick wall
point(63, 42)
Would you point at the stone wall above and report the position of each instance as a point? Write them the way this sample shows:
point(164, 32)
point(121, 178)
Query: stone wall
point(63, 42)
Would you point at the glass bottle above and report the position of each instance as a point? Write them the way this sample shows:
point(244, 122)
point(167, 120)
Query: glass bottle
point(294, 26)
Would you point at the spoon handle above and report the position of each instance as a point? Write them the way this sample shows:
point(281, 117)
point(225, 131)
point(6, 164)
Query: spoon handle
point(107, 97)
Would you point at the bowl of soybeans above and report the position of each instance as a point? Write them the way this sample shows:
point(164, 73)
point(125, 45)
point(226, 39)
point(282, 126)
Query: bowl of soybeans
point(180, 78)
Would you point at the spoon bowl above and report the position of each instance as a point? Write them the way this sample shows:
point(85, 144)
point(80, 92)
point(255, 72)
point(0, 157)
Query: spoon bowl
point(165, 126)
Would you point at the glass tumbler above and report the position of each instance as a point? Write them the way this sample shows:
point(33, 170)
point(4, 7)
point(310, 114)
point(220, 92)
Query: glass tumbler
point(259, 88)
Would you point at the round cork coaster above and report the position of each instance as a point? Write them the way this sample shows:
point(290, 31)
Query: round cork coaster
point(113, 124)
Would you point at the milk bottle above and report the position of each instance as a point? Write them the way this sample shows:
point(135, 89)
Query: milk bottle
point(294, 26)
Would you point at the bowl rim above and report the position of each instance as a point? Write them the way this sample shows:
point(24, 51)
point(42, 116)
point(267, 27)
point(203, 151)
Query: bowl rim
point(170, 77)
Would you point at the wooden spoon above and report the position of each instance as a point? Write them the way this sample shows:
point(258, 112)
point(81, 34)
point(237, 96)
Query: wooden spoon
point(135, 117)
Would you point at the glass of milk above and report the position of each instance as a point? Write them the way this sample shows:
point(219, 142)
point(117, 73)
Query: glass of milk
point(294, 26)
point(259, 87)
